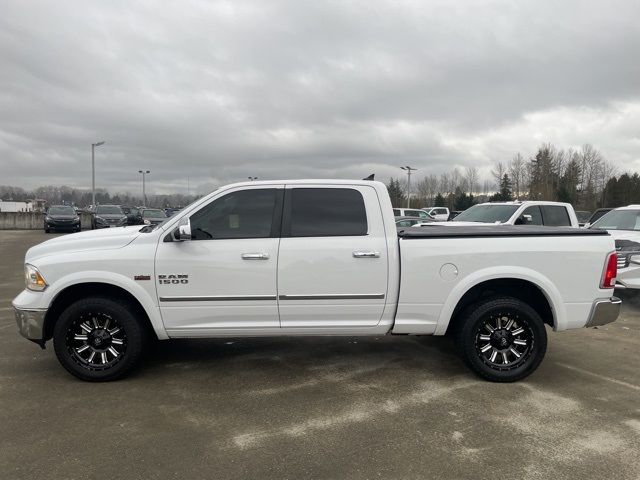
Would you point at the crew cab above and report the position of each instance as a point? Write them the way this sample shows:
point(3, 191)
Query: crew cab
point(556, 214)
point(312, 257)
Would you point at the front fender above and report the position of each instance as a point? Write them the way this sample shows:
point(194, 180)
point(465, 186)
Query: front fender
point(545, 285)
point(146, 298)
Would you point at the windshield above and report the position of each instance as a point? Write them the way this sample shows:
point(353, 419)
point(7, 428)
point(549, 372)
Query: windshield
point(61, 211)
point(487, 213)
point(152, 213)
point(109, 210)
point(619, 220)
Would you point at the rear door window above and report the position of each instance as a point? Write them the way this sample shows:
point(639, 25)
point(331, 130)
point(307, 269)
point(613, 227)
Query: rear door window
point(325, 212)
point(534, 213)
point(556, 216)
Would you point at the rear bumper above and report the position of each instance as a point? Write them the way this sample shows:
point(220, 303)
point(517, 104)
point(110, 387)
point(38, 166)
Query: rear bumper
point(31, 323)
point(604, 311)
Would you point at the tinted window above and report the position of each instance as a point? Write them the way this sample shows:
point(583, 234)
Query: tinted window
point(321, 212)
point(555, 216)
point(487, 213)
point(619, 220)
point(534, 213)
point(440, 211)
point(109, 210)
point(243, 214)
point(153, 213)
point(396, 212)
point(61, 211)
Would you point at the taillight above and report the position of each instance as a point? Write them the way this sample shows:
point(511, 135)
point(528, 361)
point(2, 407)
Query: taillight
point(610, 271)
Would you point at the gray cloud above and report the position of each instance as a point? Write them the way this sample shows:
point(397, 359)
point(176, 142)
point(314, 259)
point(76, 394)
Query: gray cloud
point(217, 91)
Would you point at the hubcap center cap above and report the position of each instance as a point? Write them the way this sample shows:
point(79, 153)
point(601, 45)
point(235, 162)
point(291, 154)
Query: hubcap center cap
point(501, 339)
point(99, 338)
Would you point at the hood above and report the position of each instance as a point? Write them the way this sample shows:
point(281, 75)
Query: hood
point(63, 217)
point(110, 215)
point(625, 235)
point(469, 224)
point(108, 238)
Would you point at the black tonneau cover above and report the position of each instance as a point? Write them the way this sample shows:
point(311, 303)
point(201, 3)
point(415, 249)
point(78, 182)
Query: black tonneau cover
point(433, 230)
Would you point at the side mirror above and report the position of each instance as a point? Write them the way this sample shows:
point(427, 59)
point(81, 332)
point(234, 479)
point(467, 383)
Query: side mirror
point(183, 232)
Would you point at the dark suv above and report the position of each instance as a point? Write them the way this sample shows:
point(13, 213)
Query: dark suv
point(61, 217)
point(105, 216)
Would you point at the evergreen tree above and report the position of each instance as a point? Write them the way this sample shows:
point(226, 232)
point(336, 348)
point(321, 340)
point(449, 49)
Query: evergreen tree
point(505, 194)
point(396, 193)
point(439, 201)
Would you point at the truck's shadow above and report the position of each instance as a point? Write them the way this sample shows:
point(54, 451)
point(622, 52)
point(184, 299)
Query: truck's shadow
point(436, 354)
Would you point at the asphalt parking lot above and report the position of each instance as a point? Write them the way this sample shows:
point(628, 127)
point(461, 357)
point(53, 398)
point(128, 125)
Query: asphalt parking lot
point(388, 407)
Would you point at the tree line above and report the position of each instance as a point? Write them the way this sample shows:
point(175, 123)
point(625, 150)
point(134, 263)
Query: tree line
point(57, 195)
point(581, 177)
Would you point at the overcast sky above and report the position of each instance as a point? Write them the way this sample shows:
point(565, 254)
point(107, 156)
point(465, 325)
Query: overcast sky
point(218, 91)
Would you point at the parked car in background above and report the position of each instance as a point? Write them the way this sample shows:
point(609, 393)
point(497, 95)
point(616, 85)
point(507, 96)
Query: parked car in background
point(61, 217)
point(595, 216)
point(454, 214)
point(623, 224)
point(171, 211)
point(583, 217)
point(133, 215)
point(411, 212)
point(152, 216)
point(105, 216)
point(439, 214)
point(555, 214)
point(403, 222)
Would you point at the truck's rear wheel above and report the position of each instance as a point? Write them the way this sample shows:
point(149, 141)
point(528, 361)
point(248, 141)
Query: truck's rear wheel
point(98, 339)
point(502, 339)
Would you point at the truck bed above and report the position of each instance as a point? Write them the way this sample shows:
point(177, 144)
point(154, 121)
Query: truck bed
point(482, 231)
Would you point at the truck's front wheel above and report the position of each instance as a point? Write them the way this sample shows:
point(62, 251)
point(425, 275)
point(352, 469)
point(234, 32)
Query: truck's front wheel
point(502, 339)
point(98, 339)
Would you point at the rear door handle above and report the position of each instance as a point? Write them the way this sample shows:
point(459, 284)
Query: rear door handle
point(360, 254)
point(255, 256)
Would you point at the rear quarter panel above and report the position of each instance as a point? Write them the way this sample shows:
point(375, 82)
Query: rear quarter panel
point(437, 272)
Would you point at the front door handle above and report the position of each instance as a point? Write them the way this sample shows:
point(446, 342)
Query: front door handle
point(255, 256)
point(360, 254)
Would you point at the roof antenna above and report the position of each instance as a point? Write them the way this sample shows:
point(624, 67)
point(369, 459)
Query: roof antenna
point(370, 177)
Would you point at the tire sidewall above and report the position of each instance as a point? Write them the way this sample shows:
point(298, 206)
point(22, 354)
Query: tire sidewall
point(477, 314)
point(128, 322)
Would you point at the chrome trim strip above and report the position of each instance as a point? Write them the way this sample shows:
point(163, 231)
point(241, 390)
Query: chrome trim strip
point(218, 298)
point(337, 296)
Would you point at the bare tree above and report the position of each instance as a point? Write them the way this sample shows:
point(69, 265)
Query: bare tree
point(517, 172)
point(498, 171)
point(471, 176)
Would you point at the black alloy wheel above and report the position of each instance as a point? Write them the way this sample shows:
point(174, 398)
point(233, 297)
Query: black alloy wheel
point(99, 338)
point(502, 339)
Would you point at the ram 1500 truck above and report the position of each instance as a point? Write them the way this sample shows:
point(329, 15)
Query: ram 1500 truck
point(312, 257)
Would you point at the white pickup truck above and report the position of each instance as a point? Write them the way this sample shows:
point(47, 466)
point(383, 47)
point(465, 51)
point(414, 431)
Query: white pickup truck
point(312, 257)
point(530, 212)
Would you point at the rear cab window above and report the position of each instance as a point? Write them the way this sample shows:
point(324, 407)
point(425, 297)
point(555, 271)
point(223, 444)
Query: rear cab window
point(324, 212)
point(555, 216)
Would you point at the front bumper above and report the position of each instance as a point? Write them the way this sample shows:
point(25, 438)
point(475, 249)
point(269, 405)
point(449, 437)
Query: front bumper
point(31, 323)
point(63, 225)
point(604, 311)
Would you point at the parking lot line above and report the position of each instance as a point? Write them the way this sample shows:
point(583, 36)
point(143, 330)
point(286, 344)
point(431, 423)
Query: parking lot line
point(602, 377)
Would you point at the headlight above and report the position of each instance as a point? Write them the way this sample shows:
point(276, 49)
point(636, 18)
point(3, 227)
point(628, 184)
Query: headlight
point(47, 218)
point(123, 220)
point(100, 219)
point(33, 279)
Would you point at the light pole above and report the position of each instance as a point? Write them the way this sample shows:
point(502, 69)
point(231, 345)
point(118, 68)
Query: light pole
point(93, 172)
point(409, 170)
point(144, 193)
